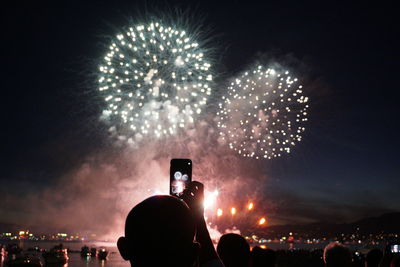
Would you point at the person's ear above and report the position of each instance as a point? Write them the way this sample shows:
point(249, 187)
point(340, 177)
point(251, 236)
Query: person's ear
point(123, 248)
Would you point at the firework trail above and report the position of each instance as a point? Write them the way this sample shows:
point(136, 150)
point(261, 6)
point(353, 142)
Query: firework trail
point(263, 113)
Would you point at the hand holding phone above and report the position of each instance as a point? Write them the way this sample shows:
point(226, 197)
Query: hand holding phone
point(194, 198)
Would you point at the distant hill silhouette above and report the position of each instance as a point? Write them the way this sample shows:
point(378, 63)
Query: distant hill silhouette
point(8, 227)
point(386, 223)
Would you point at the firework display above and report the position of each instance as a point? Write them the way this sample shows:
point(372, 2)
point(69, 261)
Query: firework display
point(263, 113)
point(155, 79)
point(238, 215)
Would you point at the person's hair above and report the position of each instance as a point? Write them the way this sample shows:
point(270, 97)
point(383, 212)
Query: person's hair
point(395, 261)
point(337, 255)
point(159, 231)
point(373, 258)
point(233, 250)
point(263, 257)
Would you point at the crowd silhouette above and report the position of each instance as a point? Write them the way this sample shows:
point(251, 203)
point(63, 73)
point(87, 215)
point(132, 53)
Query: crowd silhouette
point(168, 231)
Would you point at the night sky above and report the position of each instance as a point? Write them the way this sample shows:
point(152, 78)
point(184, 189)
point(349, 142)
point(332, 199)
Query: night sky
point(346, 168)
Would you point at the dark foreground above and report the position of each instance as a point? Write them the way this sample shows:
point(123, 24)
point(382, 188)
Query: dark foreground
point(298, 256)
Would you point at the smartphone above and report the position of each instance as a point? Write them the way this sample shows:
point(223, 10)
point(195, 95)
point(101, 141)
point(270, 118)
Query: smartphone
point(395, 248)
point(180, 174)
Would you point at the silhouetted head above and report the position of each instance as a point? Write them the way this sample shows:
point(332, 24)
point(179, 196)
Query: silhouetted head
point(337, 255)
point(374, 257)
point(395, 261)
point(159, 232)
point(233, 250)
point(263, 257)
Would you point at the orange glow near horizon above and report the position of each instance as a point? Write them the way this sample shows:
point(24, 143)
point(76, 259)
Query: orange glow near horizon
point(233, 210)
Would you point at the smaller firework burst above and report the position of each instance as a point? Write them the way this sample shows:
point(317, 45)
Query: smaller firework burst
point(263, 114)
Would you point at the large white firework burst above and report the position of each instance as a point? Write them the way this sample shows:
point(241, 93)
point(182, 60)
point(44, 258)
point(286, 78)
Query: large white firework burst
point(263, 114)
point(155, 79)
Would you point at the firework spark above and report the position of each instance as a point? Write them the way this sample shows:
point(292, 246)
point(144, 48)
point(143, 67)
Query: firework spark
point(219, 212)
point(155, 79)
point(233, 211)
point(263, 114)
point(210, 199)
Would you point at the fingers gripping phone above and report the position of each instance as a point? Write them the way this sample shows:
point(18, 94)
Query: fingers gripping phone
point(180, 173)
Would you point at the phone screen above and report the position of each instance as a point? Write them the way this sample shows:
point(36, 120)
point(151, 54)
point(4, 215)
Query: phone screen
point(395, 248)
point(180, 176)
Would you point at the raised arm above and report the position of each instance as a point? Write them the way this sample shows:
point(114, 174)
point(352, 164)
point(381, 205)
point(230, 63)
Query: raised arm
point(194, 198)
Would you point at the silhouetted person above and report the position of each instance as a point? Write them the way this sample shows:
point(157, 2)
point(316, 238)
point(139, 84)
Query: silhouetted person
point(395, 261)
point(257, 256)
point(388, 257)
point(263, 257)
point(358, 260)
point(337, 255)
point(373, 258)
point(233, 250)
point(160, 232)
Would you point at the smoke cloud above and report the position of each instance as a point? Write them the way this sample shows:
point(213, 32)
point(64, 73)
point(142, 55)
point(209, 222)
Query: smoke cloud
point(96, 196)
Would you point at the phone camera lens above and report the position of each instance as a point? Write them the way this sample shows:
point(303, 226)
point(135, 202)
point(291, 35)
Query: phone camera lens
point(185, 177)
point(178, 175)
